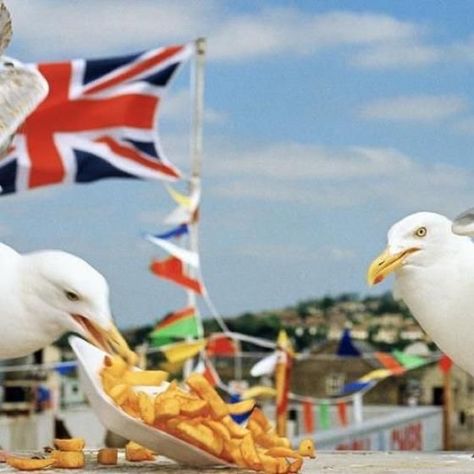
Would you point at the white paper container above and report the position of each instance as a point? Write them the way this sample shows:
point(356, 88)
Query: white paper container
point(90, 360)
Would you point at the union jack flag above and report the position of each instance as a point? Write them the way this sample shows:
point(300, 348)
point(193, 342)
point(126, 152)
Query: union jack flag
point(98, 121)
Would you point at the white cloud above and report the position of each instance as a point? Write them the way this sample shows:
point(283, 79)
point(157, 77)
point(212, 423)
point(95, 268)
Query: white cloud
point(396, 55)
point(79, 29)
point(276, 31)
point(302, 162)
point(415, 108)
point(178, 106)
point(327, 178)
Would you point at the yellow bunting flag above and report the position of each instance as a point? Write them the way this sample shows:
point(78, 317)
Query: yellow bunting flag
point(183, 350)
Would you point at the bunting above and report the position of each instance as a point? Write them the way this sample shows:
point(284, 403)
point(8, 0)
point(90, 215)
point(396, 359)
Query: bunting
point(182, 351)
point(346, 347)
point(172, 269)
point(187, 209)
point(409, 361)
point(221, 345)
point(445, 364)
point(342, 412)
point(390, 363)
point(265, 366)
point(178, 325)
point(179, 231)
point(308, 417)
point(324, 415)
point(186, 256)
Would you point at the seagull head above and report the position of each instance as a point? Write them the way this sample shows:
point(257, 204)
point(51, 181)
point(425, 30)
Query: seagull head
point(418, 240)
point(65, 294)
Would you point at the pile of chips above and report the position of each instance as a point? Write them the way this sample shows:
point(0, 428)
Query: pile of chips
point(200, 417)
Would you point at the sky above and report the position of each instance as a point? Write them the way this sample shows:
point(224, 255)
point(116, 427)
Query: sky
point(325, 123)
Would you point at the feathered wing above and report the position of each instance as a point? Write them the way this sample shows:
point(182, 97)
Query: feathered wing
point(21, 90)
point(5, 27)
point(463, 224)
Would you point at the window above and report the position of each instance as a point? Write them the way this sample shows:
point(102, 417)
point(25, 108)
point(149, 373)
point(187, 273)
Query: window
point(334, 383)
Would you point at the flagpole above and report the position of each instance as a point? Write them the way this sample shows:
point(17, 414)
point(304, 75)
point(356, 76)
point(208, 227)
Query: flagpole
point(196, 162)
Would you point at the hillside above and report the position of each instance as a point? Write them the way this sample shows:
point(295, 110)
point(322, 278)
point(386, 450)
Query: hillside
point(380, 320)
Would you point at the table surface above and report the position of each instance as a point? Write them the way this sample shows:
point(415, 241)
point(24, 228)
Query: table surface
point(341, 462)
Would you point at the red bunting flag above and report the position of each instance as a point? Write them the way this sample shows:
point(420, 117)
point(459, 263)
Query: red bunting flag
point(172, 269)
point(308, 417)
point(389, 362)
point(445, 364)
point(342, 412)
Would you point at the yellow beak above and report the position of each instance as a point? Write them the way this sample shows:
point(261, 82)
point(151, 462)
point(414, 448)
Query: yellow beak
point(110, 340)
point(386, 263)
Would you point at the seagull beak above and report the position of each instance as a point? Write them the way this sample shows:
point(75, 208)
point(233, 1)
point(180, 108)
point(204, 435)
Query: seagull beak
point(110, 340)
point(386, 263)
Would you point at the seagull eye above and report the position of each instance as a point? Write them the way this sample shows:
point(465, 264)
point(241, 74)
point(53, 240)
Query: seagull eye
point(421, 232)
point(71, 296)
point(8, 64)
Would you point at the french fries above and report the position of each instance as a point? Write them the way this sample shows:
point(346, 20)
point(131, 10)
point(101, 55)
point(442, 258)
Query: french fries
point(241, 408)
point(202, 418)
point(306, 448)
point(27, 464)
point(70, 444)
point(107, 456)
point(137, 453)
point(68, 459)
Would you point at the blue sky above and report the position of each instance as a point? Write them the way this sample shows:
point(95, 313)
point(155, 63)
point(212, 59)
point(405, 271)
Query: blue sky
point(326, 121)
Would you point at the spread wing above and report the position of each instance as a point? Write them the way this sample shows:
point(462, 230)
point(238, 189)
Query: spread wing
point(464, 223)
point(21, 90)
point(5, 27)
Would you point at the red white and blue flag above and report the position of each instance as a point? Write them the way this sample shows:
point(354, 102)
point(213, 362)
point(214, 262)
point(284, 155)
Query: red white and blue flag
point(98, 121)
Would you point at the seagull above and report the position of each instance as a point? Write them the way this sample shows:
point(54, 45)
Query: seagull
point(47, 293)
point(22, 87)
point(434, 276)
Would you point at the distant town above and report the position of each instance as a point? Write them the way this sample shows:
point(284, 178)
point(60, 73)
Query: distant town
point(379, 320)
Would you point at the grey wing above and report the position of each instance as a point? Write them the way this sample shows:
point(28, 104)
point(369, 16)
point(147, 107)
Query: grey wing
point(464, 223)
point(21, 90)
point(5, 27)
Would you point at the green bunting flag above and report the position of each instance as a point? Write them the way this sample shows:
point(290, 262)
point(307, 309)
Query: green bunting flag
point(324, 415)
point(409, 361)
point(175, 326)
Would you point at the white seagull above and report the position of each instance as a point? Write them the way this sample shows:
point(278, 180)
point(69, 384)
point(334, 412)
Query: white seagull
point(434, 275)
point(22, 87)
point(47, 293)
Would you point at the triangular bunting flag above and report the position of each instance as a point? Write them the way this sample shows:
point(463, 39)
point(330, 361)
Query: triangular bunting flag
point(182, 350)
point(324, 415)
point(409, 361)
point(346, 346)
point(265, 366)
point(342, 412)
point(187, 206)
point(186, 256)
point(173, 233)
point(445, 364)
point(172, 269)
point(389, 362)
point(308, 416)
point(178, 325)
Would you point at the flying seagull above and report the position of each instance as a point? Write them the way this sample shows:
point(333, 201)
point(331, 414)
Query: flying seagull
point(22, 87)
point(434, 275)
point(47, 293)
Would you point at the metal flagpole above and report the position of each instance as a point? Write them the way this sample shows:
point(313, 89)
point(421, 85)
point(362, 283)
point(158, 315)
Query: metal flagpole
point(196, 161)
